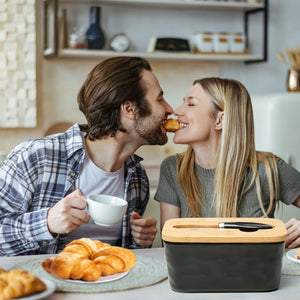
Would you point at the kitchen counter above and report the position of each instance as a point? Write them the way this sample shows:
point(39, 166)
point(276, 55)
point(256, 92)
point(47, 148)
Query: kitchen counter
point(289, 286)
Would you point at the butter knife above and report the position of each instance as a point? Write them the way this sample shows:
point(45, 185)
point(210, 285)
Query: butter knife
point(244, 226)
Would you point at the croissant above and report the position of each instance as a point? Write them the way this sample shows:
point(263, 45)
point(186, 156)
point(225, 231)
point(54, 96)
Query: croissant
point(74, 261)
point(88, 259)
point(114, 260)
point(19, 283)
point(72, 266)
point(2, 271)
point(172, 125)
point(85, 247)
point(297, 255)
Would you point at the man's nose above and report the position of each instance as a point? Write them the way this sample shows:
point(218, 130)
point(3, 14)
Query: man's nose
point(169, 109)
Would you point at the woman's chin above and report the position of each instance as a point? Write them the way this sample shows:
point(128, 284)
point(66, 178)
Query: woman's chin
point(178, 141)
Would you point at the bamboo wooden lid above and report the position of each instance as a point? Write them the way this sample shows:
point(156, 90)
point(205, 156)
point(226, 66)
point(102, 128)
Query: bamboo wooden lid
point(206, 230)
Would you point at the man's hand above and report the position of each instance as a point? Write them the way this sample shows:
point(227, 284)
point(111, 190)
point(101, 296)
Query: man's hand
point(143, 230)
point(68, 214)
point(293, 233)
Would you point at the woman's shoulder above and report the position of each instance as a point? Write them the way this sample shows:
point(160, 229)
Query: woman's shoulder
point(264, 157)
point(169, 164)
point(282, 166)
point(286, 168)
point(172, 159)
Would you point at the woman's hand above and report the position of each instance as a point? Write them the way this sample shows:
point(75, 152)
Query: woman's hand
point(293, 233)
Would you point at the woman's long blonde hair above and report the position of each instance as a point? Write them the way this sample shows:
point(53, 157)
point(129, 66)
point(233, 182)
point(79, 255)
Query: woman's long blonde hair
point(236, 153)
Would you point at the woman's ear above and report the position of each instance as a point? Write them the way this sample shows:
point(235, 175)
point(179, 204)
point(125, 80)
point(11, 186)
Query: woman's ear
point(219, 120)
point(129, 110)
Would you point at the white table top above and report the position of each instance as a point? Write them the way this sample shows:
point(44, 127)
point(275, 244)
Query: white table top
point(289, 287)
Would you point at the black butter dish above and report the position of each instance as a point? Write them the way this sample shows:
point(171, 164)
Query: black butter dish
point(204, 257)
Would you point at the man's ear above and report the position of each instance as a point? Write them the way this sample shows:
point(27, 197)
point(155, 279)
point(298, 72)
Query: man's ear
point(129, 110)
point(219, 120)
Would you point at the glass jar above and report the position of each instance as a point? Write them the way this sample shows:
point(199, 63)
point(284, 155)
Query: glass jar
point(220, 42)
point(203, 42)
point(236, 42)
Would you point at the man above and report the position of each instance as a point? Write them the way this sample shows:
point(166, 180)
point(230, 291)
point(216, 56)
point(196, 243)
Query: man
point(43, 182)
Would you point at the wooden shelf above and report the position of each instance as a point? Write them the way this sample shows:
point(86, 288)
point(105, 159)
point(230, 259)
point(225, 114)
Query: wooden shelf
point(226, 5)
point(92, 54)
point(52, 50)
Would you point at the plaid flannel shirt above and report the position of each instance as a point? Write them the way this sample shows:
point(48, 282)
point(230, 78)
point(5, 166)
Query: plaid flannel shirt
point(40, 172)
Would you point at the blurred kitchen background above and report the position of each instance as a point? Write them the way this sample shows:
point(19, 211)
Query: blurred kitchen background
point(39, 82)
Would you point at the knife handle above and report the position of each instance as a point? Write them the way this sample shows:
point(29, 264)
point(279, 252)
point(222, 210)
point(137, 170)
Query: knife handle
point(244, 226)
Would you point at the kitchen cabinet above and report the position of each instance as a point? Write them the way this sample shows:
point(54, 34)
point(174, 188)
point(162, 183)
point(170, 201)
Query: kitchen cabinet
point(182, 9)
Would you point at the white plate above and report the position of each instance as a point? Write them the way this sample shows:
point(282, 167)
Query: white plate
point(101, 278)
point(50, 290)
point(291, 255)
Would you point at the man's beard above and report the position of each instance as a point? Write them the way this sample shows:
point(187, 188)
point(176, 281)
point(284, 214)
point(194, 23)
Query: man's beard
point(154, 136)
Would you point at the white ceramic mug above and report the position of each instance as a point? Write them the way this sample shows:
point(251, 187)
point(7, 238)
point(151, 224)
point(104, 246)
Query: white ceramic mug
point(106, 210)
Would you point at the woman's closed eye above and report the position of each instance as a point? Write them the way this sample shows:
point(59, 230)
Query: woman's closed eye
point(190, 101)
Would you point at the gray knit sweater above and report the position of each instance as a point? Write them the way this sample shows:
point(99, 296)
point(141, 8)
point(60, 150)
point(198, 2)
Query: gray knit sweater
point(169, 191)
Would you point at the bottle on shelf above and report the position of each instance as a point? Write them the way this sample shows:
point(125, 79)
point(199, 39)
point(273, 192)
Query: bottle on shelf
point(94, 35)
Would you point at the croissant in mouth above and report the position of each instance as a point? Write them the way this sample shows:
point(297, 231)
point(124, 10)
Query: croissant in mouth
point(171, 125)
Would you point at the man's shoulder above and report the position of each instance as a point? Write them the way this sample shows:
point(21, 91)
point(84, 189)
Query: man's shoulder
point(59, 142)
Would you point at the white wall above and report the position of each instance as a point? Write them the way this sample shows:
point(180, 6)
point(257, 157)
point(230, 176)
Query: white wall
point(277, 116)
point(284, 32)
point(59, 80)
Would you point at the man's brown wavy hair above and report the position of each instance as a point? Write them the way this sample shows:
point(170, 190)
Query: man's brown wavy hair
point(111, 83)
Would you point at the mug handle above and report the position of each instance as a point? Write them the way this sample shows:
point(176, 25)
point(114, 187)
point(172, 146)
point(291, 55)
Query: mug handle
point(87, 205)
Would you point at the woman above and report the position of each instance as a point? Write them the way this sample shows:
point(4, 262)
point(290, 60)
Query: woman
point(221, 173)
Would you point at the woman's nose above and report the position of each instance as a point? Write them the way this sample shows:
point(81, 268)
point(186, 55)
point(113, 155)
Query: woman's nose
point(178, 111)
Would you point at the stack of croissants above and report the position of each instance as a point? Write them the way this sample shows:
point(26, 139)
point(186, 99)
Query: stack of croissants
point(87, 259)
point(83, 259)
point(19, 283)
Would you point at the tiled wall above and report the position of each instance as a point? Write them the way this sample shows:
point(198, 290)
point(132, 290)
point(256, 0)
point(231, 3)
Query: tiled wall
point(17, 63)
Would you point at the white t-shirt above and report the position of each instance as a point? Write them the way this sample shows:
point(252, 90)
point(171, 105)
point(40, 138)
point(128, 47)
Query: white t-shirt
point(93, 180)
